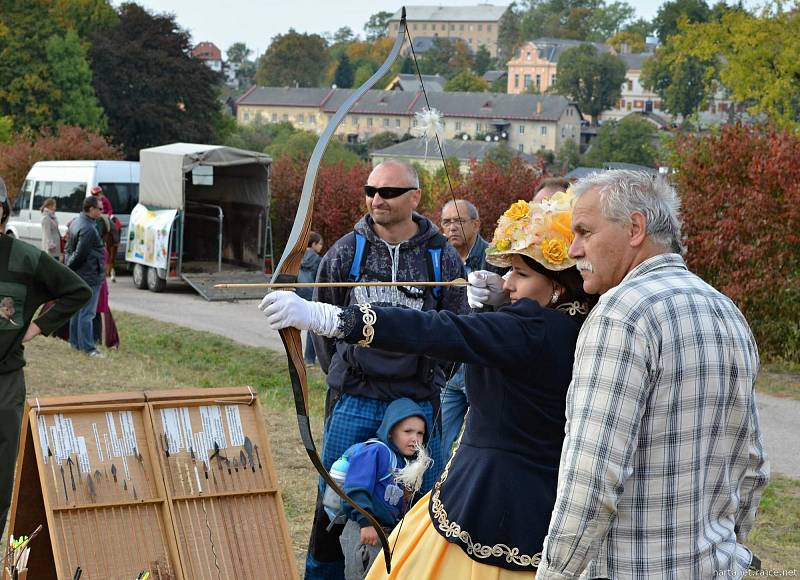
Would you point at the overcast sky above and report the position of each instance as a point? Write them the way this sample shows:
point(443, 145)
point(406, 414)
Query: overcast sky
point(255, 22)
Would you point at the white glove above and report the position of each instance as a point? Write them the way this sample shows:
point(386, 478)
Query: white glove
point(485, 288)
point(286, 309)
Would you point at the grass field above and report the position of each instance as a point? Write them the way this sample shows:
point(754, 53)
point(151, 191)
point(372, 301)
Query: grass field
point(157, 355)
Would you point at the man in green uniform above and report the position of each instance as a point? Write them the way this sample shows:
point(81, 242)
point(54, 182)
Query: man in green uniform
point(28, 279)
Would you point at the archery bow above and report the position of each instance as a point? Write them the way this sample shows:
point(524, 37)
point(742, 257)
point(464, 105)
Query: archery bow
point(287, 270)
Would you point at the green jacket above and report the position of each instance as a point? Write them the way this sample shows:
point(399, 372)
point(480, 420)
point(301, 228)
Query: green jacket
point(30, 278)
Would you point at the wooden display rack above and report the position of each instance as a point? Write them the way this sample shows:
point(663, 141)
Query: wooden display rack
point(178, 483)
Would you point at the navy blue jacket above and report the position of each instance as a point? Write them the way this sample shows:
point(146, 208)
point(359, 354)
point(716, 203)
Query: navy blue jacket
point(500, 485)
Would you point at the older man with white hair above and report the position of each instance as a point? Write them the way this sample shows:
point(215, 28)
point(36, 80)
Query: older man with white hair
point(663, 464)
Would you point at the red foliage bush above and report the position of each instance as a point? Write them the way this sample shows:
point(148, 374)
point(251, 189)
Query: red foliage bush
point(740, 190)
point(65, 143)
point(339, 201)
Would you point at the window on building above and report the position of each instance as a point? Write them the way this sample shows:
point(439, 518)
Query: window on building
point(461, 27)
point(622, 103)
point(527, 81)
point(521, 148)
point(516, 81)
point(563, 131)
point(424, 26)
point(414, 123)
point(522, 129)
point(301, 117)
point(480, 27)
point(489, 27)
point(527, 56)
point(354, 121)
point(274, 117)
point(386, 123)
point(552, 80)
point(247, 116)
point(369, 121)
point(628, 106)
point(538, 81)
point(630, 84)
point(478, 127)
point(312, 119)
point(544, 130)
point(458, 125)
point(471, 28)
point(286, 117)
point(397, 123)
point(452, 27)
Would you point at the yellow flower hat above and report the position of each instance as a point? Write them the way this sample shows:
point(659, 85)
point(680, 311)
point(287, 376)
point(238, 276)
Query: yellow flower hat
point(538, 230)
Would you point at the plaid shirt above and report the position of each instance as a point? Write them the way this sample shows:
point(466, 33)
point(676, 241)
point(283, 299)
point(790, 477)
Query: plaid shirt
point(663, 464)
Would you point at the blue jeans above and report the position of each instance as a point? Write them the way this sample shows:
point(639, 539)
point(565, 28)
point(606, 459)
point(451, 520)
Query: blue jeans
point(454, 407)
point(81, 328)
point(310, 356)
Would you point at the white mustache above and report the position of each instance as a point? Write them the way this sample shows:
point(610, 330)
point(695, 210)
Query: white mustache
point(584, 265)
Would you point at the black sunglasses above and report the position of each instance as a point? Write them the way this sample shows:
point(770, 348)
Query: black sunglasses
point(387, 192)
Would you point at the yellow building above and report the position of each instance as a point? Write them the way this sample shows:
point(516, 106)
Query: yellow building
point(529, 123)
point(475, 25)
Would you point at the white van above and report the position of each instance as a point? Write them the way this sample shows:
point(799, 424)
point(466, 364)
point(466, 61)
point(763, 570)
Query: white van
point(69, 182)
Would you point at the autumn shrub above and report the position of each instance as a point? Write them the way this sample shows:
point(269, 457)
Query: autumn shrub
point(66, 142)
point(740, 189)
point(339, 201)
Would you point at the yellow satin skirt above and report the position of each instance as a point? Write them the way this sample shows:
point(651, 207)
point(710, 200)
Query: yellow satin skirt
point(422, 553)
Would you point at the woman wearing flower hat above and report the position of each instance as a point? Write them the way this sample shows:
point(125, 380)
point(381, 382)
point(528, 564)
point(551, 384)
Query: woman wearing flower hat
point(488, 514)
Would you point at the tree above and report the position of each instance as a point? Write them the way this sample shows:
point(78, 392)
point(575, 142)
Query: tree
point(632, 40)
point(753, 56)
point(238, 53)
point(377, 26)
point(84, 16)
point(26, 91)
point(593, 80)
point(6, 127)
point(672, 12)
point(343, 77)
point(65, 142)
point(446, 57)
point(344, 35)
point(740, 192)
point(679, 80)
point(593, 20)
point(300, 144)
point(610, 20)
point(153, 92)
point(640, 27)
point(381, 141)
point(569, 156)
point(293, 59)
point(628, 141)
point(466, 81)
point(72, 78)
point(483, 60)
point(363, 73)
point(508, 33)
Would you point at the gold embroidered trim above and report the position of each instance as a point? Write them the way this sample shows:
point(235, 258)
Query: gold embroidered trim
point(450, 529)
point(369, 317)
point(573, 308)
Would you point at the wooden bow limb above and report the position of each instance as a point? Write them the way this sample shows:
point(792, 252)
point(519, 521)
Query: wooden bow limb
point(454, 282)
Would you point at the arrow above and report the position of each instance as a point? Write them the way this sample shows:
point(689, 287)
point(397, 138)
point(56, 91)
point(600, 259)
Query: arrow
point(258, 457)
point(64, 481)
point(71, 475)
point(455, 282)
point(53, 469)
point(248, 447)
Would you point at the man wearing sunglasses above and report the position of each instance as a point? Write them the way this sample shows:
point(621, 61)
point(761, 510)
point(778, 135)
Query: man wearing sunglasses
point(396, 244)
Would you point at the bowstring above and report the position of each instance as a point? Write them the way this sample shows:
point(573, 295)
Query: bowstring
point(464, 235)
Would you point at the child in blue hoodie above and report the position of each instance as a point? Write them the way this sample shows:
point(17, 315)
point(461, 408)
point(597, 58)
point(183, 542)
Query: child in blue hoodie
point(378, 478)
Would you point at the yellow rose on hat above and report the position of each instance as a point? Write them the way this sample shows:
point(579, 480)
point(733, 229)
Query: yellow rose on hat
point(518, 210)
point(555, 251)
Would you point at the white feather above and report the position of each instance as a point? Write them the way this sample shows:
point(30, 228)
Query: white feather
point(411, 475)
point(429, 127)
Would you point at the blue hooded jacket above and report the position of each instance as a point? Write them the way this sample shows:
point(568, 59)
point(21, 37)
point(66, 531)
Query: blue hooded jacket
point(370, 481)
